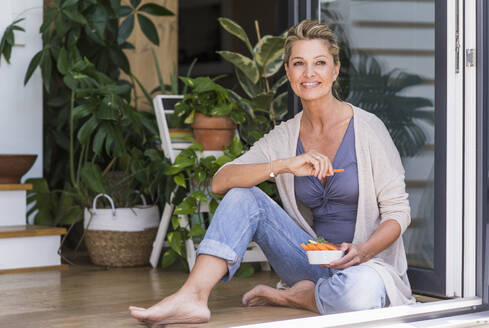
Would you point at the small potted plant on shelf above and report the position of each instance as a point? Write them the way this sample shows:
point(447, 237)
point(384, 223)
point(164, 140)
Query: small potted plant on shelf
point(211, 110)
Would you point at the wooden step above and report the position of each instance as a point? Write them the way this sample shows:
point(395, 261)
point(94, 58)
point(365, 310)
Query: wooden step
point(10, 187)
point(36, 269)
point(29, 246)
point(29, 231)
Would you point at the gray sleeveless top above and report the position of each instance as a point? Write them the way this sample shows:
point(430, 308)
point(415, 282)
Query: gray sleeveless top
point(334, 205)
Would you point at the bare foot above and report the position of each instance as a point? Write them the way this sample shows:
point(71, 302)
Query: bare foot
point(180, 307)
point(301, 295)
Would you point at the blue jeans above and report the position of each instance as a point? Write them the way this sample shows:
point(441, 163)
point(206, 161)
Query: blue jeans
point(248, 214)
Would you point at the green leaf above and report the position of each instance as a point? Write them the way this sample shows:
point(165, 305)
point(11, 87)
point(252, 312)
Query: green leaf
point(154, 9)
point(158, 71)
point(190, 118)
point(68, 211)
point(87, 129)
point(98, 140)
point(175, 222)
point(263, 100)
point(245, 270)
point(43, 201)
point(75, 16)
point(168, 258)
point(236, 148)
point(149, 29)
point(178, 167)
point(279, 83)
point(273, 67)
point(125, 10)
point(187, 206)
point(245, 83)
point(269, 49)
point(49, 16)
point(155, 155)
point(221, 110)
point(213, 205)
point(135, 3)
point(180, 180)
point(200, 175)
point(175, 241)
point(69, 3)
point(33, 65)
point(223, 160)
point(82, 111)
point(236, 30)
point(46, 68)
point(62, 64)
point(280, 105)
point(125, 29)
point(92, 177)
point(119, 58)
point(238, 117)
point(6, 45)
point(199, 195)
point(196, 231)
point(245, 64)
point(116, 6)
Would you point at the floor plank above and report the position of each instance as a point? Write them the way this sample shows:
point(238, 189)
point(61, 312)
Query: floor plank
point(92, 296)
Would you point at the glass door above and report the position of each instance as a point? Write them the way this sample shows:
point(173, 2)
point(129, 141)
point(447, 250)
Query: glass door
point(394, 64)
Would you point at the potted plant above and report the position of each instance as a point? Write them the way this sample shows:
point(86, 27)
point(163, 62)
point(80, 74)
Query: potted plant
point(260, 75)
point(93, 132)
point(192, 174)
point(211, 111)
point(111, 153)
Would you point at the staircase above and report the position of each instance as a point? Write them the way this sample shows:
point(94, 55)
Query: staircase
point(24, 247)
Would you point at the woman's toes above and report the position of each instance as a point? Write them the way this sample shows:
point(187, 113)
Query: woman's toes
point(131, 308)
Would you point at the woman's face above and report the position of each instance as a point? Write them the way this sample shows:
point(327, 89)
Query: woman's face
point(311, 69)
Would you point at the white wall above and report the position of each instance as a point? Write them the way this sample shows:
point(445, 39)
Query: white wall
point(21, 107)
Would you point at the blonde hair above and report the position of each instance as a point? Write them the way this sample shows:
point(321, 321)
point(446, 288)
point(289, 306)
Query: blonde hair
point(312, 30)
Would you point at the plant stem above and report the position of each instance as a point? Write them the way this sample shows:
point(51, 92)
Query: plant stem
point(272, 111)
point(109, 166)
point(80, 161)
point(72, 150)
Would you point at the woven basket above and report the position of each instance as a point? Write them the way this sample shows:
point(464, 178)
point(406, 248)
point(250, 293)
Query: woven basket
point(120, 248)
point(121, 237)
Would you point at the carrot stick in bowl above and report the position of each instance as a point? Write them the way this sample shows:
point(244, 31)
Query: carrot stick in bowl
point(338, 170)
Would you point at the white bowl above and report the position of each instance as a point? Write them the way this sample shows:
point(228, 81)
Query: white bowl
point(323, 257)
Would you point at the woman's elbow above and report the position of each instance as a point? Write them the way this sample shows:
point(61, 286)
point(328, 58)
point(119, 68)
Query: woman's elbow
point(217, 187)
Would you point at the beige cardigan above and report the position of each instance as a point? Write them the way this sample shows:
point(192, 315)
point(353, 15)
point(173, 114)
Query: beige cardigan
point(381, 196)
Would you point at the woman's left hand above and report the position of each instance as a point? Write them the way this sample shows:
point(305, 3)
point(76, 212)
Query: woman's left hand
point(354, 255)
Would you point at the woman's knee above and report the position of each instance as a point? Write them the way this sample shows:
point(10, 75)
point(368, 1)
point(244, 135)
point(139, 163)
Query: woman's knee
point(238, 200)
point(353, 289)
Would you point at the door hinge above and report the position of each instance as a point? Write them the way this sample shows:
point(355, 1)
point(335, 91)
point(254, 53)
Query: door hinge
point(470, 57)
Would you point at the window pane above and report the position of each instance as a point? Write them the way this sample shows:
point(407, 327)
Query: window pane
point(388, 66)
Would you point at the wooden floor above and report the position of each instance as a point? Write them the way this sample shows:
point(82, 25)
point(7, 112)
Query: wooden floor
point(91, 296)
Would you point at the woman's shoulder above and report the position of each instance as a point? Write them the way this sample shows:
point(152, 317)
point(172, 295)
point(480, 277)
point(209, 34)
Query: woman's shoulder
point(286, 129)
point(365, 117)
point(369, 123)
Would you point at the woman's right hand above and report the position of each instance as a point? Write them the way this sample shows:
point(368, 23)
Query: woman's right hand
point(310, 163)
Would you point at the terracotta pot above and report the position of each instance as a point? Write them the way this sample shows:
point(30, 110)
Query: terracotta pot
point(213, 132)
point(13, 167)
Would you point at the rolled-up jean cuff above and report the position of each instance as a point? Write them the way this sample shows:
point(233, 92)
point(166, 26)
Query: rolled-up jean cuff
point(218, 249)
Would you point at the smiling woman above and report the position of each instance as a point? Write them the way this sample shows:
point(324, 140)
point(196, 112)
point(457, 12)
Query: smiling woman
point(367, 204)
